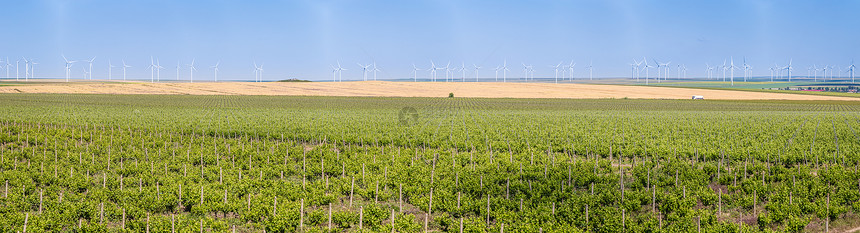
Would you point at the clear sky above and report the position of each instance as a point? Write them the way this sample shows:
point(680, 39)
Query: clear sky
point(302, 38)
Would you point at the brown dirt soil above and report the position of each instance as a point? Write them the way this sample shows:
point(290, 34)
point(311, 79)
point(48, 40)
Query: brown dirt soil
point(405, 89)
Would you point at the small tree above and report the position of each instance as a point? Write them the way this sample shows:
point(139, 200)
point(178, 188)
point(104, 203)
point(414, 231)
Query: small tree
point(451, 95)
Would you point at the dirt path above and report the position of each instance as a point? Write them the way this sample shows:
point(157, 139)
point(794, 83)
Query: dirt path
point(405, 89)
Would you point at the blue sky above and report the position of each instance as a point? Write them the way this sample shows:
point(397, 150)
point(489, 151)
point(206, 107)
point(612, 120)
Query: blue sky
point(302, 38)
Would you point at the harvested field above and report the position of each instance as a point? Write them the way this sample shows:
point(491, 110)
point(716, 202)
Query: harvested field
point(405, 89)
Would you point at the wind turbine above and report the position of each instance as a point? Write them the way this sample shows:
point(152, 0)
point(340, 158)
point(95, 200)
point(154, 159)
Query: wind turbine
point(572, 64)
point(590, 70)
point(375, 69)
point(476, 71)
point(463, 70)
point(647, 70)
point(432, 70)
point(725, 67)
point(633, 67)
point(91, 67)
point(33, 68)
point(178, 66)
point(525, 72)
point(110, 70)
point(191, 69)
point(732, 69)
point(216, 69)
point(556, 70)
point(158, 69)
point(124, 66)
point(505, 71)
point(26, 69)
point(497, 72)
point(17, 63)
point(709, 70)
point(333, 73)
point(415, 73)
point(788, 69)
point(68, 67)
point(363, 69)
point(850, 71)
point(257, 71)
point(151, 69)
point(447, 69)
point(7, 65)
point(340, 70)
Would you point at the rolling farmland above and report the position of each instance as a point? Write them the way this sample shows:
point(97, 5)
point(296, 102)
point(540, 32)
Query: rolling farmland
point(162, 163)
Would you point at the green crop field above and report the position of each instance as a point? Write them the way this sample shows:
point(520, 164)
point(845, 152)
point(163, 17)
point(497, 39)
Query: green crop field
point(162, 163)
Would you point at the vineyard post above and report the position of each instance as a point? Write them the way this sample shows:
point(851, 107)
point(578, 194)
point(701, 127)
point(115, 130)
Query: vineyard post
point(26, 218)
point(502, 229)
point(40, 201)
point(123, 218)
point(147, 222)
point(6, 189)
point(400, 200)
point(827, 217)
point(301, 214)
point(654, 199)
point(275, 208)
point(488, 209)
point(698, 224)
point(720, 200)
point(623, 219)
point(351, 190)
point(392, 220)
point(360, 217)
point(172, 223)
point(201, 195)
point(586, 216)
point(101, 212)
point(329, 216)
point(461, 224)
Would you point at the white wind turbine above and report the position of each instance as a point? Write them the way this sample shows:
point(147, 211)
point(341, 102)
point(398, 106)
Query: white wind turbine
point(505, 71)
point(124, 66)
point(525, 72)
point(333, 73)
point(17, 64)
point(747, 69)
point(432, 70)
point(257, 72)
point(850, 71)
point(158, 70)
point(476, 71)
point(732, 69)
point(68, 67)
point(215, 67)
point(90, 73)
point(788, 69)
point(572, 64)
point(556, 67)
point(725, 68)
point(152, 68)
point(375, 69)
point(590, 70)
point(447, 70)
point(7, 65)
point(497, 72)
point(340, 70)
point(110, 70)
point(178, 66)
point(415, 70)
point(633, 70)
point(191, 69)
point(708, 70)
point(26, 69)
point(463, 70)
point(364, 69)
point(33, 68)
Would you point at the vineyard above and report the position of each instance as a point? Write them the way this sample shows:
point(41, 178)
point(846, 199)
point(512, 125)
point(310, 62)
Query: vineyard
point(170, 163)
